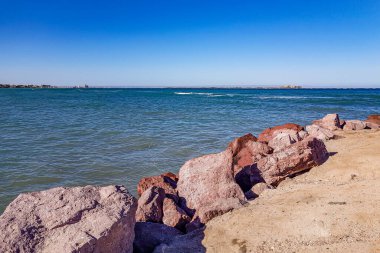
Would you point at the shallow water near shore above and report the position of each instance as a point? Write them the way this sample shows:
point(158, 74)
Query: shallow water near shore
point(67, 137)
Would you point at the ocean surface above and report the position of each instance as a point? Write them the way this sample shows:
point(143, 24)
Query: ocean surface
point(67, 137)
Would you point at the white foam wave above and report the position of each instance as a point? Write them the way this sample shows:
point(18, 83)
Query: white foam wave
point(208, 94)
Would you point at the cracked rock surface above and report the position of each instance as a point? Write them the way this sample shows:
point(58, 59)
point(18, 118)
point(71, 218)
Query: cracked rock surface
point(77, 219)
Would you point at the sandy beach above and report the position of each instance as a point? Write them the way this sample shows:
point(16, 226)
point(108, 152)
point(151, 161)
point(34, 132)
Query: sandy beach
point(334, 207)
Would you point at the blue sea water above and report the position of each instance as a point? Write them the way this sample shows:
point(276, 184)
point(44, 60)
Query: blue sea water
point(66, 137)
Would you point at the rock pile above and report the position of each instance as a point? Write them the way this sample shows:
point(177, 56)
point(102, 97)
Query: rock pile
point(172, 209)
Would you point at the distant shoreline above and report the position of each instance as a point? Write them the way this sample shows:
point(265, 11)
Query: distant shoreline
point(34, 86)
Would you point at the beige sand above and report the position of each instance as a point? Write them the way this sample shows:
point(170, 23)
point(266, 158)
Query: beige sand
point(333, 208)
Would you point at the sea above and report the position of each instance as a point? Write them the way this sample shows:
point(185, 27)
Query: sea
point(76, 137)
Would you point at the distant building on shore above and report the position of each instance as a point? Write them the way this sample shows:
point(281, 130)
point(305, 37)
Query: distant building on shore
point(290, 87)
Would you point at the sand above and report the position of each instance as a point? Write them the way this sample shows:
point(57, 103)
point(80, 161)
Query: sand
point(332, 208)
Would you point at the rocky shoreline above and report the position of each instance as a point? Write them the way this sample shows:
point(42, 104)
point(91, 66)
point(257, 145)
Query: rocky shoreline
point(172, 210)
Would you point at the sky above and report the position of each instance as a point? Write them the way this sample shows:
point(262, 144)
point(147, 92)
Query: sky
point(314, 43)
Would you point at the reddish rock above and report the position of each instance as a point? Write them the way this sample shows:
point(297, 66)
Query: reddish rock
point(268, 133)
point(77, 219)
point(330, 121)
point(256, 190)
point(174, 216)
point(320, 132)
point(374, 118)
point(150, 205)
point(246, 151)
point(355, 125)
point(205, 180)
point(295, 158)
point(166, 181)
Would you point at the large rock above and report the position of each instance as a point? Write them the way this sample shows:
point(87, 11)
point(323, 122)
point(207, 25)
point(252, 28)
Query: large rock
point(166, 181)
point(188, 243)
point(217, 208)
point(374, 118)
point(174, 216)
point(78, 219)
point(319, 132)
point(298, 157)
point(270, 133)
point(149, 235)
point(354, 125)
point(284, 139)
point(246, 151)
point(330, 121)
point(207, 180)
point(150, 205)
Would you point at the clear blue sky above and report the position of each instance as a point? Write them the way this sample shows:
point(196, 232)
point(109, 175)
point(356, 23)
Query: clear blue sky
point(191, 42)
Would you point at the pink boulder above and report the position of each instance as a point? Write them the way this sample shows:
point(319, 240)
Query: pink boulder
point(355, 125)
point(330, 121)
point(217, 208)
point(166, 181)
point(207, 180)
point(150, 205)
point(269, 133)
point(295, 158)
point(174, 216)
point(320, 132)
point(77, 219)
point(284, 139)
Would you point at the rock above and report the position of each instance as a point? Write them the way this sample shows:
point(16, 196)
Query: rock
point(330, 121)
point(166, 181)
point(268, 133)
point(217, 208)
point(149, 235)
point(77, 219)
point(256, 190)
point(174, 216)
point(282, 140)
point(354, 125)
point(374, 118)
point(295, 158)
point(150, 205)
point(246, 151)
point(188, 243)
point(320, 132)
point(207, 180)
point(302, 134)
